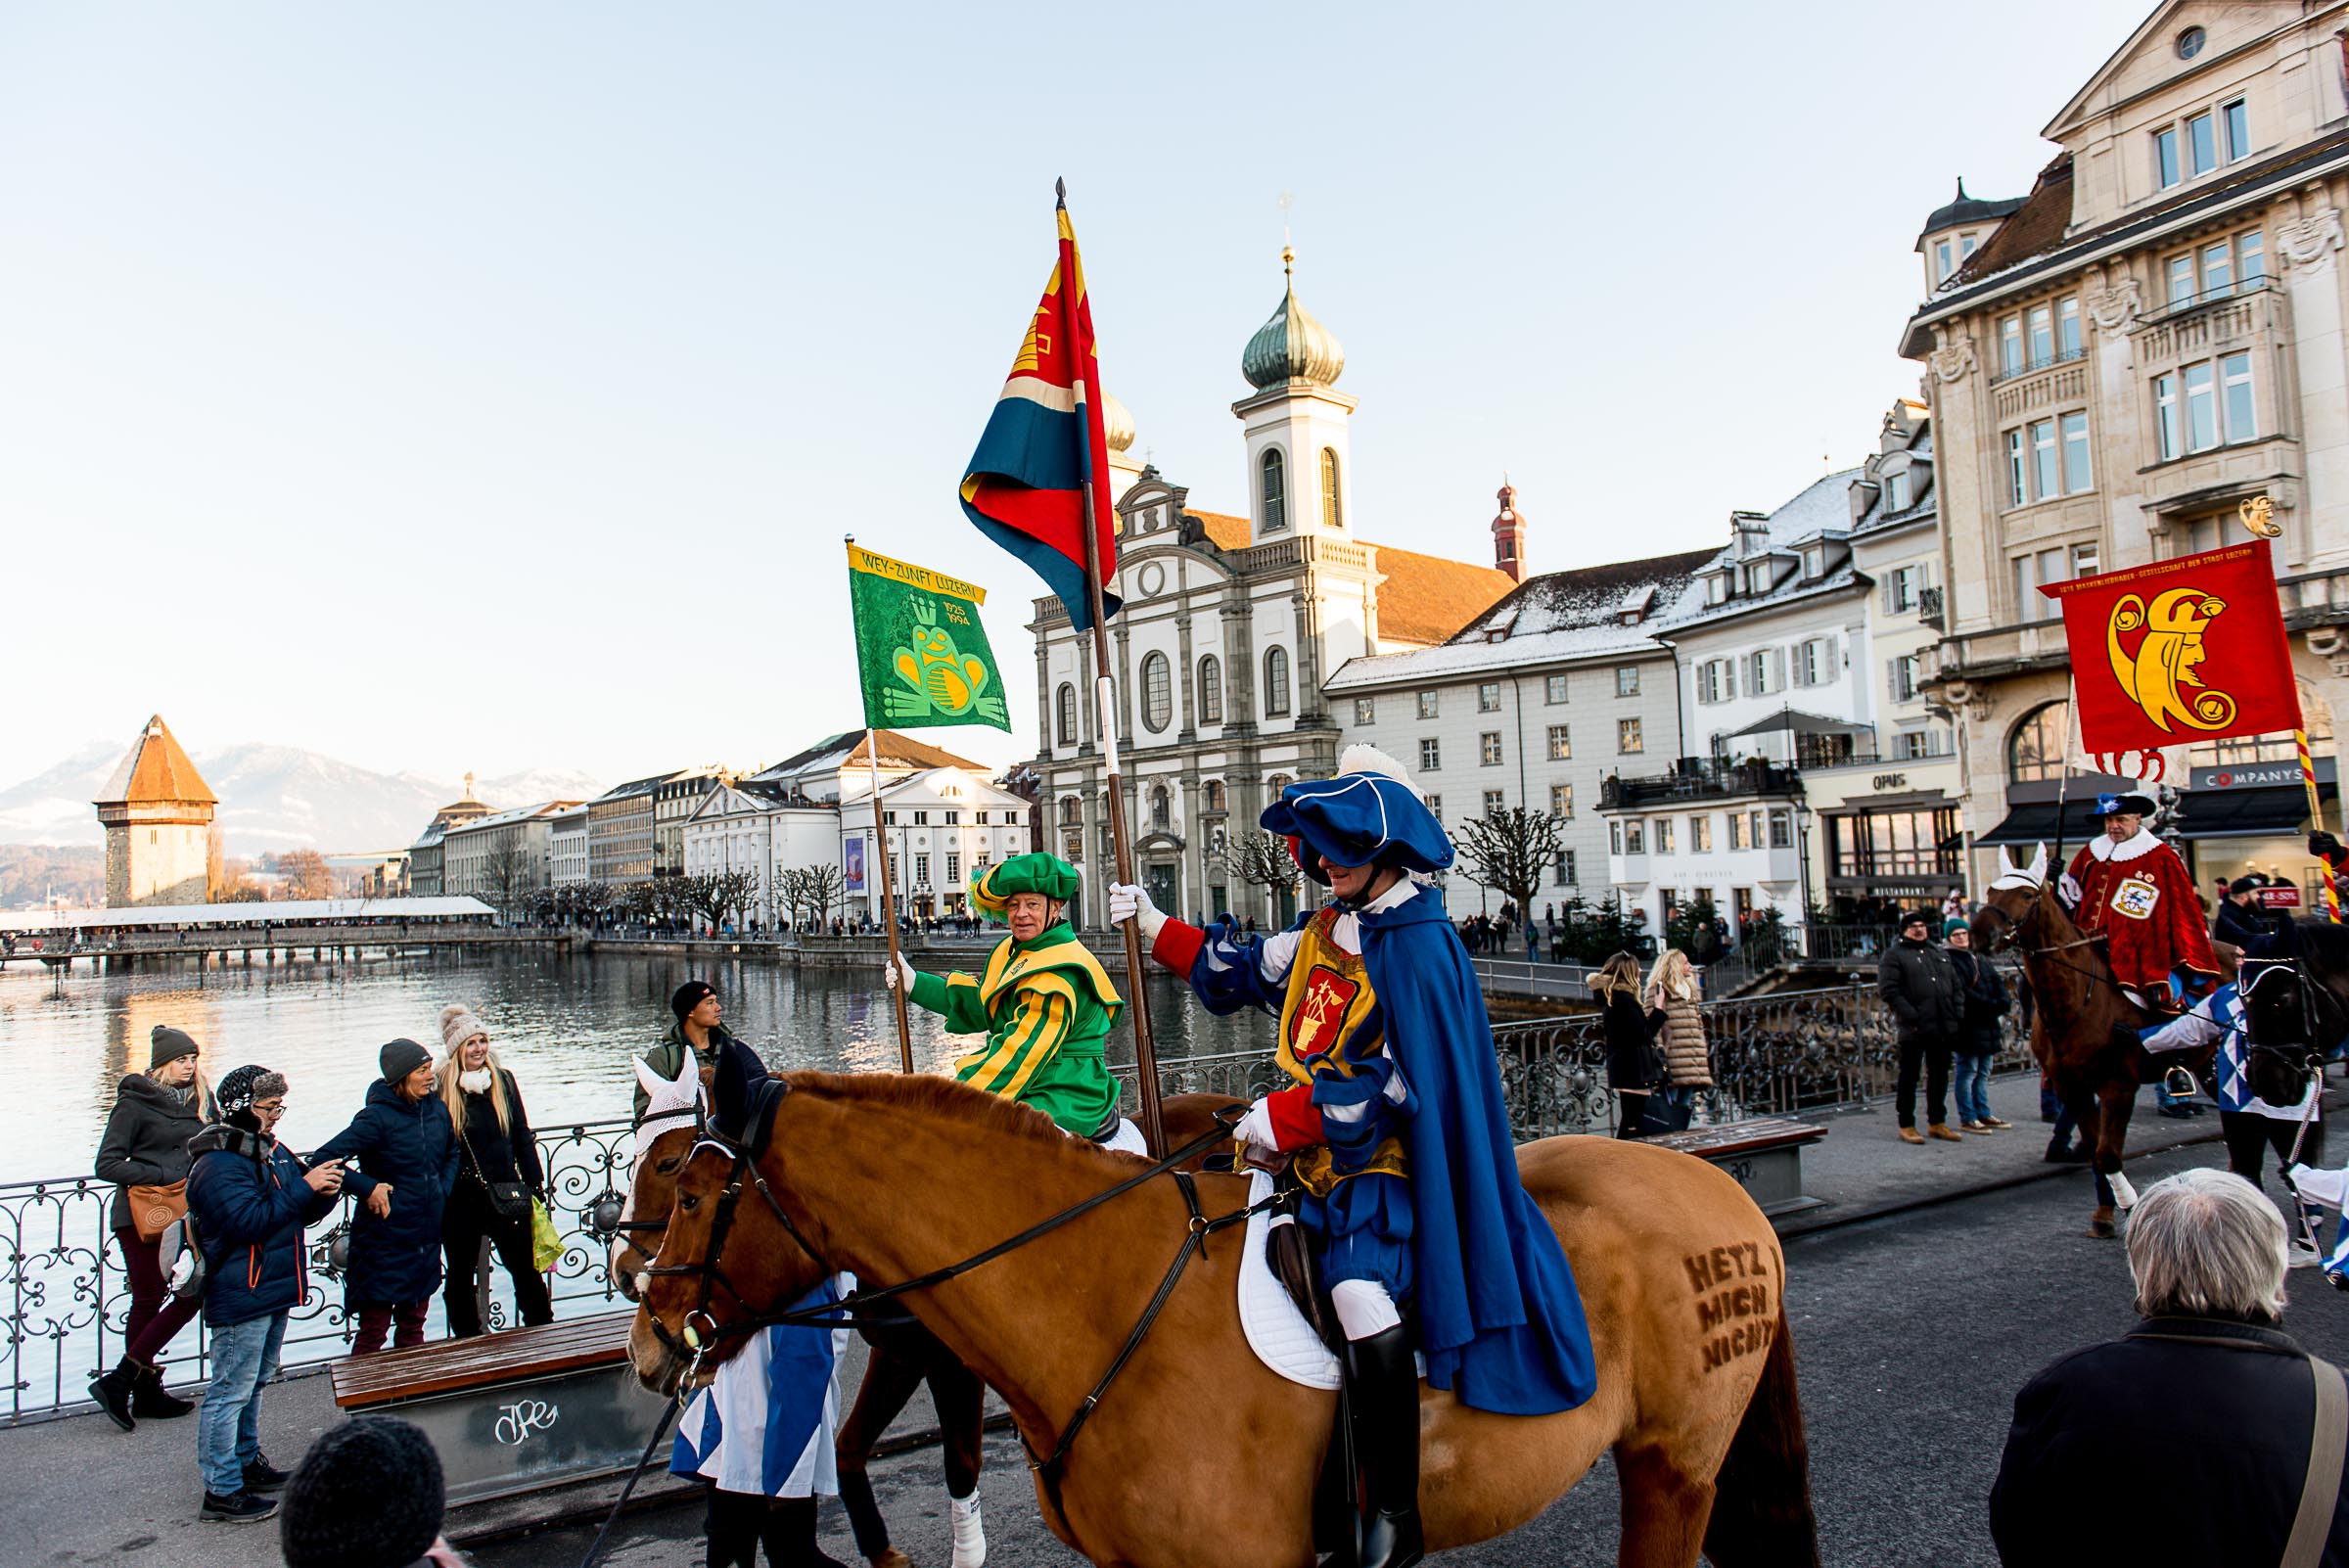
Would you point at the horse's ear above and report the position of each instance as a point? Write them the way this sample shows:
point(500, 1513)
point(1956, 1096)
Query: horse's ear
point(2007, 865)
point(2039, 866)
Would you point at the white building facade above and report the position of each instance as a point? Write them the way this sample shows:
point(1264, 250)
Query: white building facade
point(567, 846)
point(496, 856)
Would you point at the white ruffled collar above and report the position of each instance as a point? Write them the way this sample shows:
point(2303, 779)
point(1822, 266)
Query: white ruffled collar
point(2143, 843)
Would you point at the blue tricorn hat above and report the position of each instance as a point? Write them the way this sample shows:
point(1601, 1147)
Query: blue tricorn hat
point(1368, 815)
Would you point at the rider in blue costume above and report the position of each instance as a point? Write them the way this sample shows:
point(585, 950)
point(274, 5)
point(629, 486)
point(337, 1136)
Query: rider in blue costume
point(1395, 1127)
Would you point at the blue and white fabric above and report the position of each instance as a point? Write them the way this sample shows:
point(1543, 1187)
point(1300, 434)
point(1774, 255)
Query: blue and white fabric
point(765, 1424)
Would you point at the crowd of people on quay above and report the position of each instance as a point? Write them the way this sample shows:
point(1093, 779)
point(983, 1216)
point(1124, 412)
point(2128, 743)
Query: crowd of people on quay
point(213, 1207)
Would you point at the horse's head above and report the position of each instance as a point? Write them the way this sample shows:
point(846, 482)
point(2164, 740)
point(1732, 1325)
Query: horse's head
point(2284, 1016)
point(2008, 903)
point(731, 1249)
point(652, 1191)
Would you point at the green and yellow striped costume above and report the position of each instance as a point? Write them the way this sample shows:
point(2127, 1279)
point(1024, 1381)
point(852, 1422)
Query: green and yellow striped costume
point(1047, 1005)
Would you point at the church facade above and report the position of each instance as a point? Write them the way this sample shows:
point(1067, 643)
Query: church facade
point(1230, 627)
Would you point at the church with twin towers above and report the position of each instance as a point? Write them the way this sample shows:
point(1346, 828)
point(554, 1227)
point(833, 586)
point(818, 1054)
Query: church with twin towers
point(1230, 625)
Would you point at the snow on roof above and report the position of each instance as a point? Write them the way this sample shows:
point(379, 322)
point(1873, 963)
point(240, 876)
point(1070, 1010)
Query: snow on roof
point(520, 814)
point(290, 912)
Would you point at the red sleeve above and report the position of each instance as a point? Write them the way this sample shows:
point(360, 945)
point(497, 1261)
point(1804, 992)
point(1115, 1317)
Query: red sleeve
point(2189, 937)
point(1295, 1119)
point(2081, 859)
point(1178, 945)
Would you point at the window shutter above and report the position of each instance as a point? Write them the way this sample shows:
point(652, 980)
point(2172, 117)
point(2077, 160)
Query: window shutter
point(1728, 679)
point(1777, 668)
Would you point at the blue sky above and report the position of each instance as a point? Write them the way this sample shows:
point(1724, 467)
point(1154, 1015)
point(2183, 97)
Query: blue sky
point(452, 386)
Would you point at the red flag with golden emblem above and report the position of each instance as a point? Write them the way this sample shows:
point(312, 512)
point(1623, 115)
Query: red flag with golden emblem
point(2179, 652)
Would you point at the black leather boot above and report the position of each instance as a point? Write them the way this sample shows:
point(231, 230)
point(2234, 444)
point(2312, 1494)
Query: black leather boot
point(150, 1400)
point(1383, 1392)
point(114, 1392)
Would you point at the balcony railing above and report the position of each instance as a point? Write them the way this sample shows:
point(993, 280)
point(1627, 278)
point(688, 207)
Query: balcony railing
point(1705, 781)
point(1929, 607)
point(2017, 370)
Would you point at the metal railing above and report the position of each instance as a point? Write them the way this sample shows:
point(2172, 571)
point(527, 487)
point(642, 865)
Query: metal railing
point(67, 1299)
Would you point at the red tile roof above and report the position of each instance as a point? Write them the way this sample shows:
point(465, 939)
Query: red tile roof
point(156, 769)
point(1426, 598)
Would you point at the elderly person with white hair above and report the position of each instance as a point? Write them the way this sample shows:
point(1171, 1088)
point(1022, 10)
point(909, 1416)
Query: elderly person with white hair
point(2241, 1428)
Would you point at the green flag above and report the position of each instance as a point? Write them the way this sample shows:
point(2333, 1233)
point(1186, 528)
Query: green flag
point(921, 654)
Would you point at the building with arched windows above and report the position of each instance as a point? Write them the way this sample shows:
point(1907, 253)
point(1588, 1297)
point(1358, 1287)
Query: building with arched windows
point(1232, 625)
point(2149, 341)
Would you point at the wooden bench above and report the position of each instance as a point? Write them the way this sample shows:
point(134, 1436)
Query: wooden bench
point(1765, 1154)
point(515, 1412)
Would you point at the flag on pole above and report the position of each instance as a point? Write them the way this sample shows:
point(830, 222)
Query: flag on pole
point(2179, 652)
point(922, 656)
point(1025, 487)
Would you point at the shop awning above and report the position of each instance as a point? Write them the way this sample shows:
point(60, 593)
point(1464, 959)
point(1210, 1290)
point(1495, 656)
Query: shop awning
point(2255, 813)
point(2036, 824)
point(1793, 722)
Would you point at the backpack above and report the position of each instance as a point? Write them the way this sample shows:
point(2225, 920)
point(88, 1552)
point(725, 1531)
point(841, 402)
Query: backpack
point(180, 1255)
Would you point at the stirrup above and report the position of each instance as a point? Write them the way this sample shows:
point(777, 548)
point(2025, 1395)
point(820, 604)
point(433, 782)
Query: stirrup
point(2179, 1082)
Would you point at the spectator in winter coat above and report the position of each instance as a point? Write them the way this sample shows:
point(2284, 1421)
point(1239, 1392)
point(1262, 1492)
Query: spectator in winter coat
point(2208, 1388)
point(495, 1150)
point(249, 1201)
point(1631, 1034)
point(697, 1011)
point(1673, 991)
point(146, 1145)
point(369, 1493)
point(1978, 1041)
point(1920, 984)
point(406, 1151)
point(2241, 921)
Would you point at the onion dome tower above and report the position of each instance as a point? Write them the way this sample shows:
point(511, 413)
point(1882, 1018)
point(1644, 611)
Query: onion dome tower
point(1298, 477)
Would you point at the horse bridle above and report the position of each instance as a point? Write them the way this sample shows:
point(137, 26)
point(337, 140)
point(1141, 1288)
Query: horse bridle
point(693, 1341)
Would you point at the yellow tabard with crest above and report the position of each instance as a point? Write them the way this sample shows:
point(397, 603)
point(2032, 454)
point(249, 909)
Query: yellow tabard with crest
point(1328, 996)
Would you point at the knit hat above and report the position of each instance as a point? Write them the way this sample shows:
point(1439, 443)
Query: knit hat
point(169, 1046)
point(689, 997)
point(368, 1495)
point(235, 1093)
point(1952, 926)
point(401, 1058)
point(993, 888)
point(459, 1024)
point(1915, 917)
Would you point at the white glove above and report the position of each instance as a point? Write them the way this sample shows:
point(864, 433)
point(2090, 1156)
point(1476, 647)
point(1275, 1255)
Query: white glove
point(1127, 901)
point(900, 976)
point(2067, 888)
point(1256, 1126)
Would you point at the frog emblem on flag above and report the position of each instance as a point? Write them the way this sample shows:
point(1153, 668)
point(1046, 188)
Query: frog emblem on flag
point(938, 677)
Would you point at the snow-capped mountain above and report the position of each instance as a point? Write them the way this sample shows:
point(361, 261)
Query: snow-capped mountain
point(273, 798)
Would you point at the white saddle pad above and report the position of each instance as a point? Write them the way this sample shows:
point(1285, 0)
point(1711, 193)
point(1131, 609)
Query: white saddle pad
point(1276, 1331)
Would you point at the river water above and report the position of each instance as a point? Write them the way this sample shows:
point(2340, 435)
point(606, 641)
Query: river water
point(567, 1026)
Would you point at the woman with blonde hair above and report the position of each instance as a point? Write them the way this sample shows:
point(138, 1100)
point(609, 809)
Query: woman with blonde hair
point(498, 1176)
point(1674, 992)
point(145, 1148)
point(1633, 1066)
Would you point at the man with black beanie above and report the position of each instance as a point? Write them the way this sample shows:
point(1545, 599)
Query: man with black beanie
point(249, 1201)
point(368, 1495)
point(697, 1029)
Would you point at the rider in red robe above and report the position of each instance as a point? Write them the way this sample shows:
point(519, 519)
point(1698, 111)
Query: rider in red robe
point(2136, 889)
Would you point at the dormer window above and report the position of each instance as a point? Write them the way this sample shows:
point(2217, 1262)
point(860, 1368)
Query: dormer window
point(1896, 499)
point(1717, 588)
point(1815, 562)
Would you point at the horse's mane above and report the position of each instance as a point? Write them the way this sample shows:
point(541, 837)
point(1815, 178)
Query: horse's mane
point(926, 1094)
point(2324, 941)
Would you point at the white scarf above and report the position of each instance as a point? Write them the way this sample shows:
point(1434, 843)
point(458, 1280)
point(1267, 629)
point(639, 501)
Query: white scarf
point(475, 1081)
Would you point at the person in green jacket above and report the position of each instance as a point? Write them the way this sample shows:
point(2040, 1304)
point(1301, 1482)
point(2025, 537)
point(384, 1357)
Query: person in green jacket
point(1045, 1003)
point(697, 1028)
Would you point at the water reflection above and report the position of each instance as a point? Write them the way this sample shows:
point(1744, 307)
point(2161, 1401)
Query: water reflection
point(566, 1025)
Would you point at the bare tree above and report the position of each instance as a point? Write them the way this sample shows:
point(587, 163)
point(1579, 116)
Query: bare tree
point(306, 874)
point(738, 892)
point(1510, 850)
point(651, 899)
point(587, 901)
point(1262, 860)
point(509, 872)
point(711, 895)
point(828, 887)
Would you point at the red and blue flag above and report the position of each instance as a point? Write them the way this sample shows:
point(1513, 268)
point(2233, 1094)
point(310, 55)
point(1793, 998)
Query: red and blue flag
point(1026, 486)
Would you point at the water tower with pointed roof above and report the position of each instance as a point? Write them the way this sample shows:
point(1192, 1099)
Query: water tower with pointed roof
point(1300, 470)
point(158, 813)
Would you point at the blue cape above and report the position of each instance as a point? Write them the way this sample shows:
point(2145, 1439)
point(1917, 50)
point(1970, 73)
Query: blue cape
point(1500, 1317)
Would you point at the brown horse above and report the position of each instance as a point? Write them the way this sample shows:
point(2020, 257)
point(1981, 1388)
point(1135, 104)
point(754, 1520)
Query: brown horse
point(2085, 1030)
point(903, 1358)
point(1198, 1457)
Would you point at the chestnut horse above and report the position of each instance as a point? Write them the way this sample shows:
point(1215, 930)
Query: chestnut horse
point(1198, 1456)
point(897, 1365)
point(2084, 1032)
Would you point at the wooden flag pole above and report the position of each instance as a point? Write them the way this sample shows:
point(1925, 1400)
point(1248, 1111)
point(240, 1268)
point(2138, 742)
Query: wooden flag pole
point(889, 887)
point(2316, 819)
point(1145, 1055)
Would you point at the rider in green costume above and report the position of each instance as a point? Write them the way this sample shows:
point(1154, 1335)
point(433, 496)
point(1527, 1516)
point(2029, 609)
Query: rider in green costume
point(1044, 1003)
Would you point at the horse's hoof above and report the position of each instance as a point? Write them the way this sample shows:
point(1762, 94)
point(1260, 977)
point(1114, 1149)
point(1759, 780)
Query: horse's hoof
point(2101, 1227)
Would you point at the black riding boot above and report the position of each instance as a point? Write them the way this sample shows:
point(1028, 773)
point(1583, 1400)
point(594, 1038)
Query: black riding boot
point(1383, 1392)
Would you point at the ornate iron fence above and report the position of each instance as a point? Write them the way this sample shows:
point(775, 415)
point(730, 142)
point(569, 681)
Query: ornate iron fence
point(67, 1299)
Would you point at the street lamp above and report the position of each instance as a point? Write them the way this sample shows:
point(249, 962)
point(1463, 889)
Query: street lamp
point(1680, 702)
